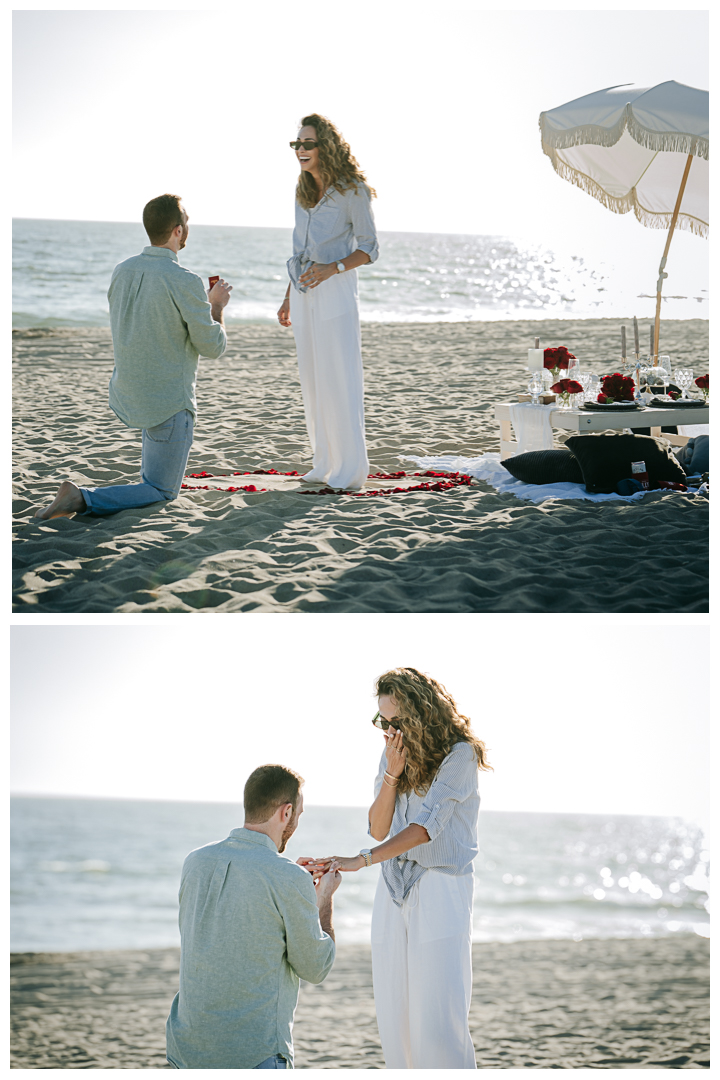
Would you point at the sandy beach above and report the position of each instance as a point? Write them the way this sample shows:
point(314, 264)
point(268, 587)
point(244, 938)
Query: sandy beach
point(603, 1004)
point(430, 389)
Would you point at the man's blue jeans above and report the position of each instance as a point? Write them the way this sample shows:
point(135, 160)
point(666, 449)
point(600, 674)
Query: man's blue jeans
point(165, 451)
point(277, 1061)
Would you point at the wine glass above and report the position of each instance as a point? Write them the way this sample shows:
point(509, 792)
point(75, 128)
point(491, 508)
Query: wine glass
point(573, 369)
point(595, 387)
point(667, 368)
point(657, 376)
point(585, 380)
point(535, 386)
point(684, 378)
point(641, 374)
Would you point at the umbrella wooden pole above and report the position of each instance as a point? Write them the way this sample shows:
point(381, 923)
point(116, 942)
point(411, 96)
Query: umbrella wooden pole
point(663, 275)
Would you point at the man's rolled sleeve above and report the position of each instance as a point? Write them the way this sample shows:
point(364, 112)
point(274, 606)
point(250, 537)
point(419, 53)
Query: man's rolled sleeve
point(206, 335)
point(310, 951)
point(454, 782)
point(364, 223)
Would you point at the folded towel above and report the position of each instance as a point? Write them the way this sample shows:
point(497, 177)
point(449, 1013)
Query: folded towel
point(532, 426)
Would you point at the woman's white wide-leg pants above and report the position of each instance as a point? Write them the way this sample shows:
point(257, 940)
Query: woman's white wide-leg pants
point(422, 973)
point(326, 324)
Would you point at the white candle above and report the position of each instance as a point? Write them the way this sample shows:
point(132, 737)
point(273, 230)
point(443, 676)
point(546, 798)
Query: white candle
point(535, 359)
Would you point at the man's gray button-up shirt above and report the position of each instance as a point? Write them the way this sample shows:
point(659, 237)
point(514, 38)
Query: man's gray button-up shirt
point(161, 324)
point(250, 930)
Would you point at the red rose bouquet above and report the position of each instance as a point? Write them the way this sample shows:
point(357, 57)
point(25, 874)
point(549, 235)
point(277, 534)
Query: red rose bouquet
point(557, 360)
point(566, 387)
point(616, 388)
point(703, 381)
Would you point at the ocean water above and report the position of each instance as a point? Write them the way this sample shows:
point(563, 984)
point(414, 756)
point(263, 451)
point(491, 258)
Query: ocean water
point(104, 873)
point(62, 269)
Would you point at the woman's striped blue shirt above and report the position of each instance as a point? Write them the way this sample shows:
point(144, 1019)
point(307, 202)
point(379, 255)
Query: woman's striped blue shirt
point(448, 811)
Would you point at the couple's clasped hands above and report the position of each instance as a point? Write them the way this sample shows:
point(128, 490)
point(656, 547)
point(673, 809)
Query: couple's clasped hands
point(325, 881)
point(329, 867)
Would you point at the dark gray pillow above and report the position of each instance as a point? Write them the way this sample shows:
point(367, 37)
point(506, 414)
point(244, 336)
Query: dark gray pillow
point(545, 467)
point(605, 459)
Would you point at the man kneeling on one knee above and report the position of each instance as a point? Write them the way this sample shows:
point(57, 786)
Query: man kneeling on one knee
point(162, 321)
point(251, 926)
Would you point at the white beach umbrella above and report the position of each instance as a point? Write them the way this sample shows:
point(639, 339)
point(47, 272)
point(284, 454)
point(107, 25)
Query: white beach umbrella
point(632, 149)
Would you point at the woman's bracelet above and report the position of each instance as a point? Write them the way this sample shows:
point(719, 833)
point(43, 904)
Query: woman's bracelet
point(386, 781)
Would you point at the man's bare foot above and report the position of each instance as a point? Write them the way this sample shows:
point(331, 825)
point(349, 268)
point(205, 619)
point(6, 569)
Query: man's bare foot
point(69, 500)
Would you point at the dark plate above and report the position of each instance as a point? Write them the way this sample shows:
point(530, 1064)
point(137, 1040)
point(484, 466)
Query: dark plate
point(691, 403)
point(618, 406)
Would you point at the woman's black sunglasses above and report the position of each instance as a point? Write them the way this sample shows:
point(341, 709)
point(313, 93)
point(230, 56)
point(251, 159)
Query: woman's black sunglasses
point(307, 144)
point(380, 722)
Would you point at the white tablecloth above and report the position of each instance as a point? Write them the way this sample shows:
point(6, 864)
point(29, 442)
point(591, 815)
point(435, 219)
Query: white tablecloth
point(691, 430)
point(532, 426)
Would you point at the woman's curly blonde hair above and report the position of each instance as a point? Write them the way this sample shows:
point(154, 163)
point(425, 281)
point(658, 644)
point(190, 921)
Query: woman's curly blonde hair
point(430, 723)
point(337, 164)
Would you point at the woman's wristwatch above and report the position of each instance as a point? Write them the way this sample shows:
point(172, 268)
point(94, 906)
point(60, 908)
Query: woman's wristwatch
point(340, 267)
point(367, 856)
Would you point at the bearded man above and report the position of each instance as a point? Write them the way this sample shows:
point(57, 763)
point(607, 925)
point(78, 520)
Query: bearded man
point(252, 924)
point(162, 322)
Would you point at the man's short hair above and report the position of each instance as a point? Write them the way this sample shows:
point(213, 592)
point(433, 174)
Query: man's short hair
point(161, 216)
point(266, 789)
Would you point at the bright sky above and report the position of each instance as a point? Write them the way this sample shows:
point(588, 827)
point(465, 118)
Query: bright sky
point(440, 106)
point(578, 715)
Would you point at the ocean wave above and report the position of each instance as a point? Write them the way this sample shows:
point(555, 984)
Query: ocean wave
point(619, 902)
point(103, 873)
point(420, 277)
point(87, 866)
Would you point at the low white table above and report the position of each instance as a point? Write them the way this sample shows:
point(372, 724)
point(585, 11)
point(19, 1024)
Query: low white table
point(581, 421)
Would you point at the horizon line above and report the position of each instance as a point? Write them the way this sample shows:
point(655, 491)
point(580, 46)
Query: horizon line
point(283, 228)
point(332, 806)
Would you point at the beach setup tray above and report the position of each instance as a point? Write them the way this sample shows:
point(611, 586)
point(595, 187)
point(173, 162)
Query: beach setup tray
point(581, 421)
point(689, 403)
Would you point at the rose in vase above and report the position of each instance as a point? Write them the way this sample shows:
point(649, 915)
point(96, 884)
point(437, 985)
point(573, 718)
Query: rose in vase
point(616, 387)
point(557, 360)
point(703, 382)
point(566, 388)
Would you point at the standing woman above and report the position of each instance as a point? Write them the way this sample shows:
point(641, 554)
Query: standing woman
point(334, 234)
point(426, 804)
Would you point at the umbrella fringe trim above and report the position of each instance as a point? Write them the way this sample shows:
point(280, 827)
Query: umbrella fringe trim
point(579, 136)
point(594, 134)
point(624, 204)
point(670, 141)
